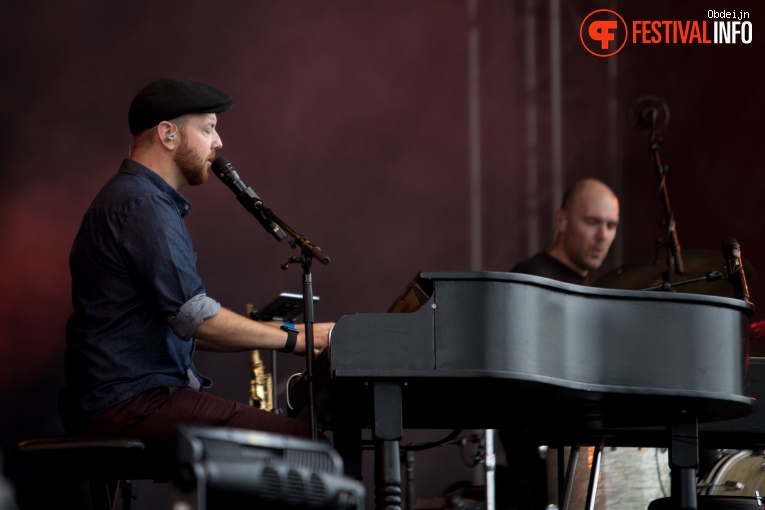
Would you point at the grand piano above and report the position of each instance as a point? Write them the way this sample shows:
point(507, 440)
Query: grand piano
point(575, 365)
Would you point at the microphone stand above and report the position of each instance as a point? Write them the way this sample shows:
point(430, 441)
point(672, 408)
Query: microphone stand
point(674, 259)
point(308, 251)
point(710, 277)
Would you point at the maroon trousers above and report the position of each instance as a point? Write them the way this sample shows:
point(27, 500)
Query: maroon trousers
point(154, 415)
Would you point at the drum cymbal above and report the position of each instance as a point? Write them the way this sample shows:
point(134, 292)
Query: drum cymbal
point(644, 273)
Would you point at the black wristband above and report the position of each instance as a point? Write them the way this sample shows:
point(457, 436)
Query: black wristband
point(292, 335)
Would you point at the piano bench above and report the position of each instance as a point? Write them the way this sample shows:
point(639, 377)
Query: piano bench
point(107, 462)
point(711, 503)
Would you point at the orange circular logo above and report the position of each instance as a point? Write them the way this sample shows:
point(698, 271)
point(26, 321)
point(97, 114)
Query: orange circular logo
point(603, 33)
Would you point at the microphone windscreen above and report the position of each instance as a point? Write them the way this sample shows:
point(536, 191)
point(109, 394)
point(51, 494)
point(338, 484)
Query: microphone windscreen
point(219, 163)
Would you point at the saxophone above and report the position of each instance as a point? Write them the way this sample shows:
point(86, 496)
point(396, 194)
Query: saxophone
point(261, 384)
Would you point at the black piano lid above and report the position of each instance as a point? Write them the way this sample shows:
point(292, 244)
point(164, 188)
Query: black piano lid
point(601, 353)
point(426, 280)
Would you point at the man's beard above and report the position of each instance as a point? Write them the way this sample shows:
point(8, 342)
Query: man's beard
point(193, 168)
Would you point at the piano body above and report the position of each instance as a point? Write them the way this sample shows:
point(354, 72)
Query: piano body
point(573, 364)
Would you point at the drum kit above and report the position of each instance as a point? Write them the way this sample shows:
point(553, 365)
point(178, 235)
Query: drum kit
point(732, 479)
point(736, 472)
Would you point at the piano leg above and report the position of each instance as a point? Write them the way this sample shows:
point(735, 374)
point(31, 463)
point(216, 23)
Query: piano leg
point(387, 431)
point(684, 461)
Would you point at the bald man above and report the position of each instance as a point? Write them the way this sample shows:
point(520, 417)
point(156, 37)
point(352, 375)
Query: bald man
point(586, 226)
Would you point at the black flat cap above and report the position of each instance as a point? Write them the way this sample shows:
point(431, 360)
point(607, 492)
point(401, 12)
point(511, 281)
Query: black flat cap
point(168, 98)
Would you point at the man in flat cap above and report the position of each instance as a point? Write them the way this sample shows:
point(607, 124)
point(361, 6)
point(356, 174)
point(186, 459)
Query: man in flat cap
point(140, 308)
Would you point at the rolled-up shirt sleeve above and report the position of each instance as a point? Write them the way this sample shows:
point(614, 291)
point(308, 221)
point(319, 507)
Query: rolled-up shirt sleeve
point(191, 314)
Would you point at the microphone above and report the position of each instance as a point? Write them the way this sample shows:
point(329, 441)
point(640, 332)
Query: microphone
point(649, 115)
point(734, 270)
point(246, 195)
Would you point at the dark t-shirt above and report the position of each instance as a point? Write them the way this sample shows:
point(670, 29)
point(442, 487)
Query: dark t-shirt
point(543, 264)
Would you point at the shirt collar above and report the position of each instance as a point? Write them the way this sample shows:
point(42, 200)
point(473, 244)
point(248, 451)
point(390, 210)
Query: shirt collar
point(134, 168)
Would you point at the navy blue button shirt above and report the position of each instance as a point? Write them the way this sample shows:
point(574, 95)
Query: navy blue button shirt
point(137, 297)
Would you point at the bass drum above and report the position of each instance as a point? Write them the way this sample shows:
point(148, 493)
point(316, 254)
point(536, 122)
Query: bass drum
point(737, 473)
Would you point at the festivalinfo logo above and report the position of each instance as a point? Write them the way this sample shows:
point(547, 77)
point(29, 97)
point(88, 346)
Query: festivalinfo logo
point(604, 33)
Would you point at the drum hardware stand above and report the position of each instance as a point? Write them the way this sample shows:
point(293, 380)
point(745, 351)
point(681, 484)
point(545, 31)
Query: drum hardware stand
point(489, 461)
point(566, 475)
point(486, 455)
point(567, 480)
point(592, 487)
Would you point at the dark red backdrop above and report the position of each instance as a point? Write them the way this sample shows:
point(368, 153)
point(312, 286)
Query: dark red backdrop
point(352, 122)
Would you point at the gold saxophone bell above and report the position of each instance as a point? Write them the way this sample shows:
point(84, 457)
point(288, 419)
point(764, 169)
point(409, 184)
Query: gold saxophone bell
point(261, 384)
